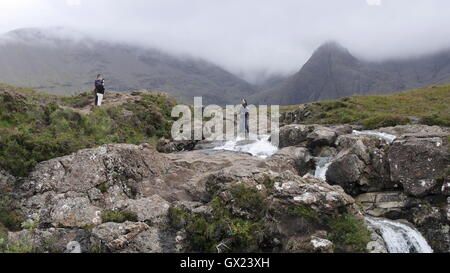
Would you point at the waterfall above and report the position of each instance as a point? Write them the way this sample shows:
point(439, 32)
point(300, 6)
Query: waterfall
point(387, 137)
point(261, 147)
point(322, 164)
point(400, 237)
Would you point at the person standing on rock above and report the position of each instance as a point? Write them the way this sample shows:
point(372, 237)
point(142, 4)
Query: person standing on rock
point(99, 90)
point(244, 116)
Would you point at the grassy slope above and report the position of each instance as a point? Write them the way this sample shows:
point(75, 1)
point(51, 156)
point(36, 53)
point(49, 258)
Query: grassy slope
point(36, 126)
point(429, 106)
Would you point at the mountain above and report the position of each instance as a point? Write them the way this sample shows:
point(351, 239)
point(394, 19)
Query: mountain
point(333, 72)
point(61, 62)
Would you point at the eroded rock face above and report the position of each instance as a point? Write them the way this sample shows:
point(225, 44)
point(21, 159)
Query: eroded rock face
point(131, 237)
point(417, 162)
point(74, 191)
point(361, 164)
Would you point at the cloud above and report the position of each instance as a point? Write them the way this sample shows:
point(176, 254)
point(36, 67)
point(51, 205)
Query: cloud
point(248, 37)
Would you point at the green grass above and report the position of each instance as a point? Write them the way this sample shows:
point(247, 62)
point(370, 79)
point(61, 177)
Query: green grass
point(34, 126)
point(431, 106)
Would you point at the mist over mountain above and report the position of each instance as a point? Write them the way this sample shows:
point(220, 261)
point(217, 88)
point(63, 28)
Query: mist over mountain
point(62, 62)
point(333, 72)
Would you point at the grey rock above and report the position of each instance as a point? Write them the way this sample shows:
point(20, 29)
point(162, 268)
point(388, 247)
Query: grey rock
point(381, 203)
point(417, 162)
point(345, 171)
point(130, 237)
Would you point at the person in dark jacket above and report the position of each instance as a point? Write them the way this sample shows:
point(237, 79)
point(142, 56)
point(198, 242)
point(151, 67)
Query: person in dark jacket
point(99, 90)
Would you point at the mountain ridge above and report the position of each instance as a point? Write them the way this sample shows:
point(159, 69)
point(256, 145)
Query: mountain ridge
point(333, 72)
point(64, 64)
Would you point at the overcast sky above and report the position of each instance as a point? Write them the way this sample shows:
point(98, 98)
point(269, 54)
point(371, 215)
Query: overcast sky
point(248, 36)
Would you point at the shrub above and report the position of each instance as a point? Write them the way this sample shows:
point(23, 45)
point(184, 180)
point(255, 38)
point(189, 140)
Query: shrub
point(435, 119)
point(349, 233)
point(249, 199)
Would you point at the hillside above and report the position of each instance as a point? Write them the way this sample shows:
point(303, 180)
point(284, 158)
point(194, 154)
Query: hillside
point(333, 72)
point(429, 106)
point(37, 126)
point(93, 187)
point(57, 62)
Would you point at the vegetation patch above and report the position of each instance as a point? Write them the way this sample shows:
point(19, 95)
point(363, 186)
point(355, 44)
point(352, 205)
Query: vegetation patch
point(349, 233)
point(118, 216)
point(249, 199)
point(207, 233)
point(383, 120)
point(303, 211)
point(35, 126)
point(429, 106)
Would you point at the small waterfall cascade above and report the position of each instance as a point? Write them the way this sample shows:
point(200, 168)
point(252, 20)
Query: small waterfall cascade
point(261, 147)
point(399, 237)
point(387, 137)
point(322, 164)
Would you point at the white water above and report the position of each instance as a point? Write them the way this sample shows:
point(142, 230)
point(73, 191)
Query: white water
point(261, 147)
point(387, 137)
point(399, 237)
point(322, 164)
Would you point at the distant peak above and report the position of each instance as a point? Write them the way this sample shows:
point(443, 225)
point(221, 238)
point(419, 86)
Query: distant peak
point(331, 46)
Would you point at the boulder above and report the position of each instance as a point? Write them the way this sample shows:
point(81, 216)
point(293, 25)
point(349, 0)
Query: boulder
point(297, 158)
point(361, 164)
point(383, 204)
point(312, 135)
point(346, 172)
point(293, 135)
point(416, 163)
point(433, 224)
point(321, 136)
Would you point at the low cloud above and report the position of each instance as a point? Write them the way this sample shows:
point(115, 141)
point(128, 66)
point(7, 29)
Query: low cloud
point(248, 37)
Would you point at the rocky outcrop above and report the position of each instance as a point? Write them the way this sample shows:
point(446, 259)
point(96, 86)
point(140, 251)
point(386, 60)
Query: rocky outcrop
point(416, 163)
point(75, 192)
point(131, 237)
point(50, 240)
point(361, 164)
point(128, 198)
